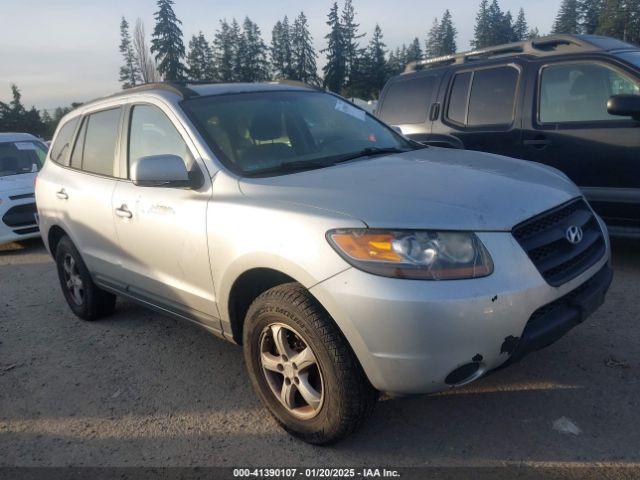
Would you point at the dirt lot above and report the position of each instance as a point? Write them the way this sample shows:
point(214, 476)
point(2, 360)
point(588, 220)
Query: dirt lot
point(142, 389)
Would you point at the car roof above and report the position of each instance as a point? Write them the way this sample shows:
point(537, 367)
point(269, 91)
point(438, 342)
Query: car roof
point(539, 47)
point(17, 137)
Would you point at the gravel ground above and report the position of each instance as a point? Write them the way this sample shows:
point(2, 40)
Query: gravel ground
point(142, 389)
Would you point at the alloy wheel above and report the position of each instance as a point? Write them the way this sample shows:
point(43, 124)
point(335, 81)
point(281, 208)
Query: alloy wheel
point(291, 370)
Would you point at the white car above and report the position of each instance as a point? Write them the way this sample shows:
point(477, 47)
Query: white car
point(21, 157)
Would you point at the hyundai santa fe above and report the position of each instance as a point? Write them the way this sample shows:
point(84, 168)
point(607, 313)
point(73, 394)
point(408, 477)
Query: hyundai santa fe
point(346, 259)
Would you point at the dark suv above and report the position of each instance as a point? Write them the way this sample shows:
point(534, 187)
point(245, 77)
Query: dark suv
point(568, 101)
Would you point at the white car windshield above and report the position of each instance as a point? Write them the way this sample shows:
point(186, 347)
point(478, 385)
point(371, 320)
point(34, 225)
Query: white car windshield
point(284, 131)
point(17, 158)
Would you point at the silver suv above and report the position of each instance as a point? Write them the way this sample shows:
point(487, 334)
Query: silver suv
point(345, 258)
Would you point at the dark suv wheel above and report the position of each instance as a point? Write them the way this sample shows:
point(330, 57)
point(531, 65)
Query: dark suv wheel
point(85, 299)
point(302, 367)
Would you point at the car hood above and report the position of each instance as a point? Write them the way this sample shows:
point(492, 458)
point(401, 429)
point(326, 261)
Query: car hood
point(428, 188)
point(13, 183)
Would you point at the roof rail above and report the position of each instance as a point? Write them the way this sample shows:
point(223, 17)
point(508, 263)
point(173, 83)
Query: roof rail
point(537, 47)
point(177, 88)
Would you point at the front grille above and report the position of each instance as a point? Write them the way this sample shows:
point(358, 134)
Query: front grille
point(21, 216)
point(544, 239)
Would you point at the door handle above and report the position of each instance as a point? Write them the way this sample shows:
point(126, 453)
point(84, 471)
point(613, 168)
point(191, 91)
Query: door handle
point(124, 212)
point(62, 194)
point(538, 143)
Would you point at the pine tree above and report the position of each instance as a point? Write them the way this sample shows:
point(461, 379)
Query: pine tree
point(14, 117)
point(533, 34)
point(590, 11)
point(281, 49)
point(414, 52)
point(129, 71)
point(447, 35)
point(335, 69)
point(432, 45)
point(395, 63)
point(252, 54)
point(568, 18)
point(520, 27)
point(481, 38)
point(225, 42)
point(303, 55)
point(621, 19)
point(377, 62)
point(200, 59)
point(499, 25)
point(167, 43)
point(350, 36)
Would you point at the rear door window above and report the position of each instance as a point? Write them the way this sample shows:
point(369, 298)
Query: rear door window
point(61, 149)
point(95, 147)
point(485, 97)
point(407, 101)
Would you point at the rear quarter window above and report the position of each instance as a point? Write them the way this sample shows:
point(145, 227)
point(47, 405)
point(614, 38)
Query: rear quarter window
point(407, 101)
point(61, 148)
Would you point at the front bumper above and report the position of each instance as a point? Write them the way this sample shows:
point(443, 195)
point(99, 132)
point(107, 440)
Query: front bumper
point(414, 336)
point(18, 217)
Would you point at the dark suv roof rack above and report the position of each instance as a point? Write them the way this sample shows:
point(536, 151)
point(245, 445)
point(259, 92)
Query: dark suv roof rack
point(549, 45)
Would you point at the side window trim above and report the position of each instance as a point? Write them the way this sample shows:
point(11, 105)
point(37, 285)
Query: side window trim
point(539, 124)
point(466, 126)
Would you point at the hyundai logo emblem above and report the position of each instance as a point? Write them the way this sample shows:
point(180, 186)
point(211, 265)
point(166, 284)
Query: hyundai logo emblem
point(573, 234)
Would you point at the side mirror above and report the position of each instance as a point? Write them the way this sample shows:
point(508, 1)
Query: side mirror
point(625, 106)
point(160, 171)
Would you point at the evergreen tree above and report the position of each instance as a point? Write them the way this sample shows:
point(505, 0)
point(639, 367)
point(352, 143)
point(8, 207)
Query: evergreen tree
point(225, 43)
point(447, 35)
point(432, 45)
point(200, 59)
point(520, 27)
point(167, 43)
point(129, 71)
point(481, 37)
point(376, 63)
point(414, 52)
point(350, 36)
point(303, 55)
point(568, 18)
point(590, 11)
point(621, 19)
point(252, 54)
point(281, 49)
point(335, 70)
point(14, 117)
point(395, 63)
point(499, 25)
point(533, 34)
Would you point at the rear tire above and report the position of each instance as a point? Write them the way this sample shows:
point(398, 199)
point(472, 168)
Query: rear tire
point(326, 396)
point(85, 299)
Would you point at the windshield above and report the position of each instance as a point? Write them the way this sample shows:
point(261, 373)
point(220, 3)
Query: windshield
point(282, 131)
point(21, 157)
point(631, 57)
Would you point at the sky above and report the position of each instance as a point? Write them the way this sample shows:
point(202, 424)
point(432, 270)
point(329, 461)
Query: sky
point(63, 51)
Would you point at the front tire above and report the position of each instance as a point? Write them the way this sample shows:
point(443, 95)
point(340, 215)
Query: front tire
point(85, 299)
point(303, 368)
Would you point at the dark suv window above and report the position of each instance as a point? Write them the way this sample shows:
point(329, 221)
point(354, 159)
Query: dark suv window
point(95, 147)
point(578, 92)
point(407, 100)
point(484, 97)
point(61, 149)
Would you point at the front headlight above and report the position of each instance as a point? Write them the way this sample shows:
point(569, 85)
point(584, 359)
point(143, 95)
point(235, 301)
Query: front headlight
point(414, 254)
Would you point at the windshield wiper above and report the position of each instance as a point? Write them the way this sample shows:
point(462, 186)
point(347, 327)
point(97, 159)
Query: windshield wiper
point(369, 152)
point(293, 166)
